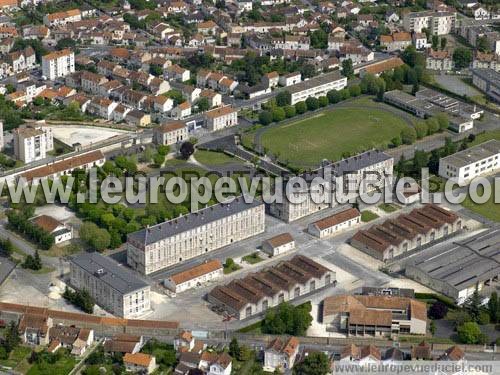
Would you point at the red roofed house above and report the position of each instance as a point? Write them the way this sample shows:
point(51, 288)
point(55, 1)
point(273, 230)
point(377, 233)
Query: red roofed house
point(139, 363)
point(171, 133)
point(195, 276)
point(53, 226)
point(279, 244)
point(280, 355)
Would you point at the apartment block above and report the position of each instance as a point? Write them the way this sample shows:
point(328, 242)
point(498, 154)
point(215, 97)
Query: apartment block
point(473, 162)
point(439, 23)
point(32, 143)
point(58, 64)
point(113, 287)
point(317, 86)
point(160, 246)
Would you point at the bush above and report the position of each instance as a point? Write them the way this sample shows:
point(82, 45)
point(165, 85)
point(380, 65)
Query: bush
point(438, 310)
point(323, 101)
point(300, 107)
point(469, 333)
point(396, 141)
point(265, 117)
point(278, 114)
point(484, 318)
point(462, 317)
point(312, 103)
point(334, 96)
point(408, 135)
point(355, 90)
point(345, 94)
point(290, 111)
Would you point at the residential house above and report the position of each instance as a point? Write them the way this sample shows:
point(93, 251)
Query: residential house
point(222, 365)
point(280, 354)
point(124, 343)
point(214, 98)
point(290, 79)
point(171, 133)
point(139, 363)
point(396, 41)
point(220, 118)
point(439, 60)
point(59, 230)
point(34, 329)
point(182, 111)
point(101, 107)
point(177, 73)
point(138, 118)
point(76, 340)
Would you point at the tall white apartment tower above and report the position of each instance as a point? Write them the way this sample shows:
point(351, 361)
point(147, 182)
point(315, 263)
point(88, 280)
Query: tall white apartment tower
point(58, 64)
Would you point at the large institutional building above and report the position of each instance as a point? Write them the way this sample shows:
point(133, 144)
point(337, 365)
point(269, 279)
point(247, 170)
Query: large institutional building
point(438, 23)
point(348, 173)
point(115, 288)
point(160, 246)
point(470, 163)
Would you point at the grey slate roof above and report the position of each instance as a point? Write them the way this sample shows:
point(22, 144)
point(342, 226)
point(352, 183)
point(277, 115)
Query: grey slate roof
point(314, 82)
point(462, 264)
point(193, 220)
point(109, 272)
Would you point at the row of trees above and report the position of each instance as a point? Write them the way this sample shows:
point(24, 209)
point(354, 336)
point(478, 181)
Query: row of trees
point(81, 299)
point(21, 224)
point(280, 108)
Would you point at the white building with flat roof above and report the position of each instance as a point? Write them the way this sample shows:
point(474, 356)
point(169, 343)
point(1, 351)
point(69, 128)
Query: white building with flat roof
point(473, 162)
point(317, 86)
point(439, 23)
point(32, 143)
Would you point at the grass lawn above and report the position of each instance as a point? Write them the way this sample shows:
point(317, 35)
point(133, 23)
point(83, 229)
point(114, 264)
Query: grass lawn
point(389, 207)
point(62, 251)
point(490, 209)
point(252, 258)
point(368, 215)
point(230, 269)
point(213, 158)
point(330, 134)
point(61, 367)
point(16, 357)
point(483, 137)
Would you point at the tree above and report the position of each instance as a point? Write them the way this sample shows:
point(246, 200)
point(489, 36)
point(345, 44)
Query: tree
point(186, 150)
point(462, 57)
point(432, 327)
point(420, 160)
point(449, 147)
point(444, 41)
point(278, 114)
point(288, 319)
point(301, 107)
point(347, 68)
point(482, 44)
point(159, 159)
point(6, 247)
point(319, 39)
point(355, 90)
point(443, 121)
point(334, 96)
point(462, 317)
point(421, 129)
point(308, 71)
point(493, 307)
point(234, 348)
point(415, 88)
point(484, 318)
point(203, 104)
point(290, 111)
point(312, 103)
point(97, 238)
point(396, 141)
point(316, 363)
point(432, 125)
point(265, 117)
point(473, 304)
point(12, 339)
point(408, 135)
point(438, 310)
point(283, 98)
point(323, 101)
point(435, 42)
point(469, 333)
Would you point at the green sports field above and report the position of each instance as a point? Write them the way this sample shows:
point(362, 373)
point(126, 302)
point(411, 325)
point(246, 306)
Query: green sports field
point(330, 134)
